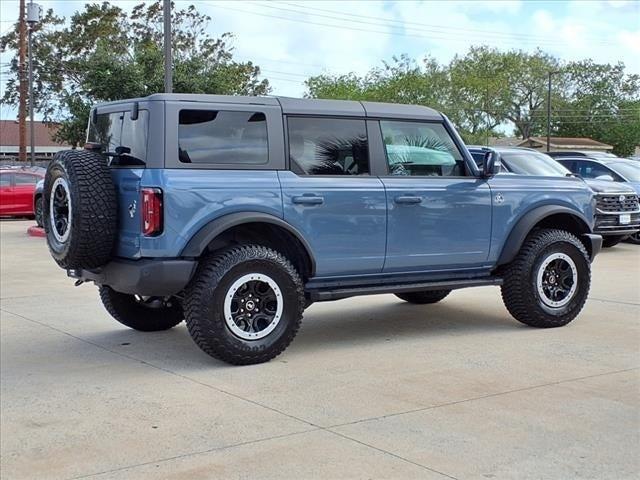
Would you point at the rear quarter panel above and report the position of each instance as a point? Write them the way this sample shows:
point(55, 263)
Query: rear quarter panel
point(521, 194)
point(193, 198)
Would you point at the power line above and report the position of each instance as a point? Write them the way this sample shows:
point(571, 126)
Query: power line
point(382, 22)
point(351, 27)
point(403, 23)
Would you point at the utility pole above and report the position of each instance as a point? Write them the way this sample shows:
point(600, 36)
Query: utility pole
point(33, 17)
point(22, 89)
point(549, 111)
point(168, 80)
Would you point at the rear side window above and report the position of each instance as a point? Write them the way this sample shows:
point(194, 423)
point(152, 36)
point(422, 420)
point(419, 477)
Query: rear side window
point(5, 179)
point(222, 137)
point(26, 179)
point(328, 146)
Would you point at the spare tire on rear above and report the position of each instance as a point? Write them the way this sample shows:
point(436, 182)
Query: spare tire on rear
point(79, 209)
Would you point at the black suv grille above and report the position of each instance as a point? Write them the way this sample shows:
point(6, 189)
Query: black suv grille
point(612, 203)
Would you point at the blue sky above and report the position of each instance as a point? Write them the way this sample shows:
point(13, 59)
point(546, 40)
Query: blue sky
point(292, 39)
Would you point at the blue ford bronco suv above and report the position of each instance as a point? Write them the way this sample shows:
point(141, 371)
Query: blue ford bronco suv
point(236, 213)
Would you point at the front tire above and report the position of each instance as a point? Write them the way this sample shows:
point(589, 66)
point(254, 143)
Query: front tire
point(244, 304)
point(151, 314)
point(548, 282)
point(423, 298)
point(37, 211)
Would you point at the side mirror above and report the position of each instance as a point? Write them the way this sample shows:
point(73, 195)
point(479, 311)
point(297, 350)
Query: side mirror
point(491, 164)
point(605, 177)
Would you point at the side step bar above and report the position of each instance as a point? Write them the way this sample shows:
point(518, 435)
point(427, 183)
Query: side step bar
point(336, 293)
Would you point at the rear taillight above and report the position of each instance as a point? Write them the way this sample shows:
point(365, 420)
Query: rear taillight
point(151, 212)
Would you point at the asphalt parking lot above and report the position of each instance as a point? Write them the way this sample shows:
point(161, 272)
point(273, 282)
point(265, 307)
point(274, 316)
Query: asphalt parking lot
point(372, 387)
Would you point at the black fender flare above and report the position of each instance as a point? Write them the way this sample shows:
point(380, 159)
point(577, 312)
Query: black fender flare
point(526, 223)
point(198, 243)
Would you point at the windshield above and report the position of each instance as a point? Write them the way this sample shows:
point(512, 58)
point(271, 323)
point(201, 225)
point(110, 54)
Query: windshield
point(628, 170)
point(532, 163)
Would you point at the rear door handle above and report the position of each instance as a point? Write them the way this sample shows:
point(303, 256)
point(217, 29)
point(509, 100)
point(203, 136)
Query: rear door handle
point(308, 200)
point(408, 200)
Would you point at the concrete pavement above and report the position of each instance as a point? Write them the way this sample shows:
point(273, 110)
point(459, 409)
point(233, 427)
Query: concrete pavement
point(372, 387)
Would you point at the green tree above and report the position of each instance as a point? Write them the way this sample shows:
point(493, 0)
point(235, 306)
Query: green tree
point(602, 102)
point(106, 54)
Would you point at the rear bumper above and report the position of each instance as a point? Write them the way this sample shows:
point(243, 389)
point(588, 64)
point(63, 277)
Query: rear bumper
point(148, 277)
point(593, 242)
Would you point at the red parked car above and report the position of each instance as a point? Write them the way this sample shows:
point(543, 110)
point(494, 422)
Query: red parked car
point(17, 185)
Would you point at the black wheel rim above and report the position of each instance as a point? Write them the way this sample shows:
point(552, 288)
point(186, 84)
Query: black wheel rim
point(253, 306)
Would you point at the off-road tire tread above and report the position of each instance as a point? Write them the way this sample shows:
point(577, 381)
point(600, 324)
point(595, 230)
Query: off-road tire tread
point(123, 308)
point(95, 209)
point(425, 297)
point(210, 271)
point(516, 285)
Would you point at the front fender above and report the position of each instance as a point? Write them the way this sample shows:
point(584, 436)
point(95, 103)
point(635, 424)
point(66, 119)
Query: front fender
point(529, 220)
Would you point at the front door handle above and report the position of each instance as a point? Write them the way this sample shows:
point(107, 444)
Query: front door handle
point(408, 199)
point(308, 200)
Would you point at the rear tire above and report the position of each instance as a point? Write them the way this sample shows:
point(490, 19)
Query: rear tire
point(244, 305)
point(547, 283)
point(423, 298)
point(79, 209)
point(612, 240)
point(152, 315)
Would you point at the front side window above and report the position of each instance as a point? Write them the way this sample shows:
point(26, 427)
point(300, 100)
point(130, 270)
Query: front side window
point(222, 137)
point(26, 179)
point(588, 169)
point(420, 149)
point(329, 146)
point(5, 179)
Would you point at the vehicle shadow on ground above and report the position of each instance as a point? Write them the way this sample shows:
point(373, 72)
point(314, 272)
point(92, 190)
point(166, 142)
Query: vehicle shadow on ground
point(397, 320)
point(324, 330)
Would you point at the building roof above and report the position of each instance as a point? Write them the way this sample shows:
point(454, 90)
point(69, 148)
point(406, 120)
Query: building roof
point(10, 136)
point(568, 143)
point(504, 141)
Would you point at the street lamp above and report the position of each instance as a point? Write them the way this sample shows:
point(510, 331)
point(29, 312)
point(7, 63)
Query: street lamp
point(549, 110)
point(33, 17)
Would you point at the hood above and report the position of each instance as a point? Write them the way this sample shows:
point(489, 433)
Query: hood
point(607, 186)
point(635, 186)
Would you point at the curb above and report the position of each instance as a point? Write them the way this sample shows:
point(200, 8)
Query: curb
point(35, 231)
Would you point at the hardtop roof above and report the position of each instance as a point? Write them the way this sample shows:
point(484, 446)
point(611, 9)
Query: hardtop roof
point(301, 106)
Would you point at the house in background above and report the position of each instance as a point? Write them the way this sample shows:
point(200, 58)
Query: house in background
point(565, 143)
point(44, 146)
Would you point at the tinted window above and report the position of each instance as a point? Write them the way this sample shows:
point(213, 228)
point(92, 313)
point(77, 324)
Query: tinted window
point(221, 137)
point(5, 179)
point(588, 169)
point(26, 179)
point(134, 134)
point(415, 148)
point(532, 163)
point(107, 131)
point(329, 146)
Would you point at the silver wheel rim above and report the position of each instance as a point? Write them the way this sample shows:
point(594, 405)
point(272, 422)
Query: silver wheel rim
point(253, 306)
point(557, 280)
point(60, 210)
